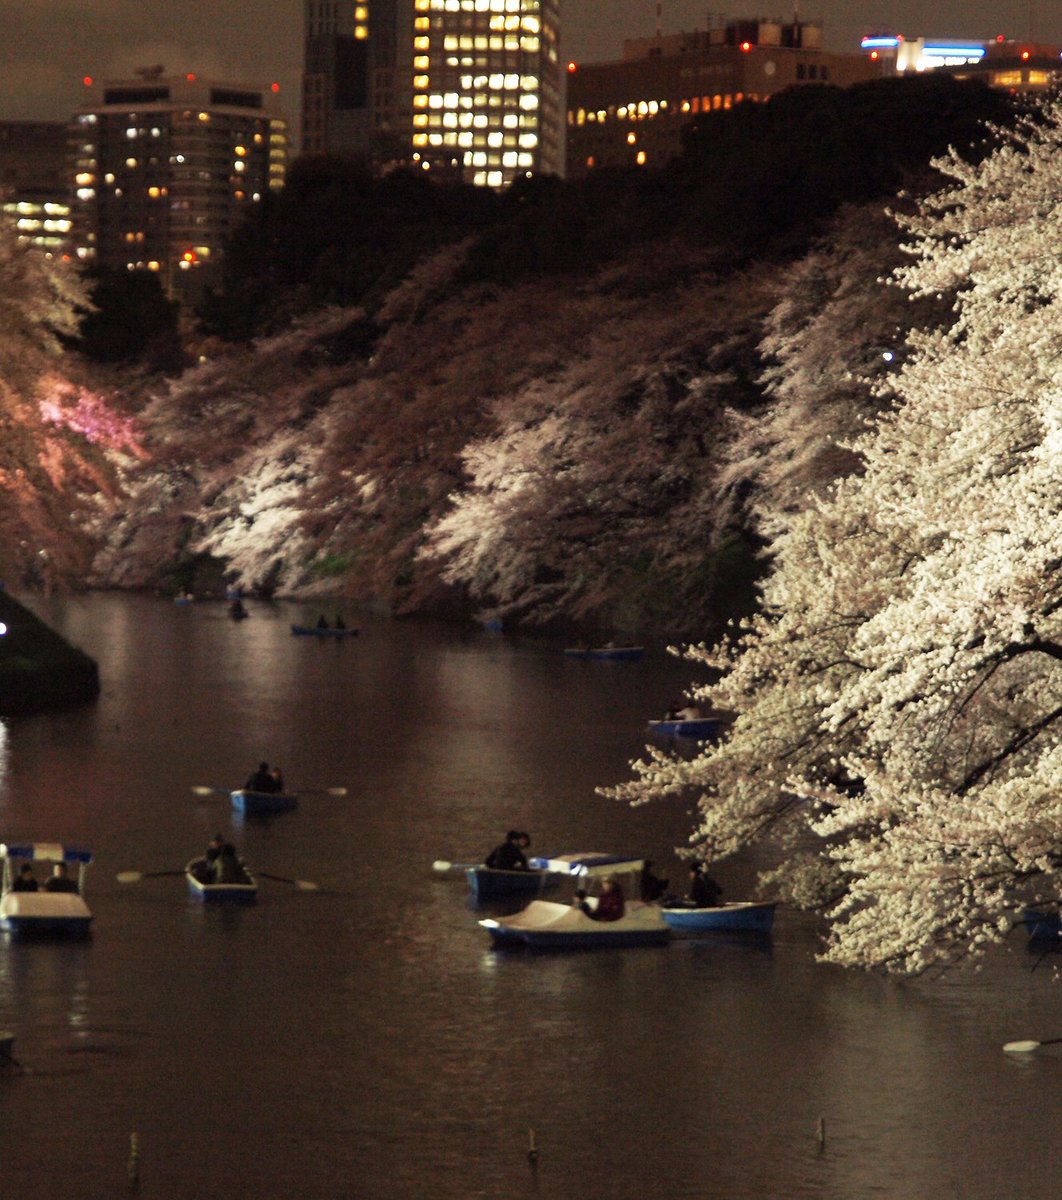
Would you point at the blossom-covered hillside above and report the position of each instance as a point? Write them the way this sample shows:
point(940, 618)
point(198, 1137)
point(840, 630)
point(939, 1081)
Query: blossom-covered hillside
point(63, 443)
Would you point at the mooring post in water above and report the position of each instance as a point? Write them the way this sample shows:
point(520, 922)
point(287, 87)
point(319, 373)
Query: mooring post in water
point(134, 1162)
point(532, 1153)
point(821, 1134)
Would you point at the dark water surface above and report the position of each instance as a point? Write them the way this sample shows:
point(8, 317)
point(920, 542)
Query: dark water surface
point(365, 1041)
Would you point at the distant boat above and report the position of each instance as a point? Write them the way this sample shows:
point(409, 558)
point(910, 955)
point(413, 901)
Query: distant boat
point(741, 916)
point(322, 631)
point(699, 727)
point(611, 653)
point(262, 804)
point(219, 893)
point(1042, 924)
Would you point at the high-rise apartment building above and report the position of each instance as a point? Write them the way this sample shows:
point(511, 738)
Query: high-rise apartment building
point(470, 89)
point(167, 167)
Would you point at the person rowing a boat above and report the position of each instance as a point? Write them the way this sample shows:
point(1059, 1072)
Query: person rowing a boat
point(228, 868)
point(704, 891)
point(509, 856)
point(262, 780)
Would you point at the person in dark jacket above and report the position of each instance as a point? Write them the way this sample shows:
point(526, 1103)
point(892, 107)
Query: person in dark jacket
point(228, 868)
point(509, 856)
point(704, 891)
point(261, 780)
point(652, 886)
point(60, 880)
point(24, 880)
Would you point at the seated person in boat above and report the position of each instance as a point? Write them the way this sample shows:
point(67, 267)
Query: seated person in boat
point(261, 780)
point(25, 881)
point(652, 886)
point(228, 868)
point(204, 867)
point(509, 856)
point(60, 880)
point(322, 622)
point(339, 623)
point(704, 891)
point(610, 904)
point(277, 776)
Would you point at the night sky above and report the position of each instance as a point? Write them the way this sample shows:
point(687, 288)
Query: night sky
point(49, 45)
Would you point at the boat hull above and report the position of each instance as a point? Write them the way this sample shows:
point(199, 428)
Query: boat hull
point(220, 893)
point(45, 914)
point(487, 883)
point(313, 631)
point(740, 918)
point(608, 653)
point(547, 925)
point(263, 804)
point(1041, 924)
point(702, 727)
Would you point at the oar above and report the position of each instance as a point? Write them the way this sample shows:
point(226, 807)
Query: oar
point(304, 885)
point(202, 790)
point(1027, 1047)
point(136, 876)
point(443, 867)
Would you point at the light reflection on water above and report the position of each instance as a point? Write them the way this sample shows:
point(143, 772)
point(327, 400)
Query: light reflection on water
point(365, 1041)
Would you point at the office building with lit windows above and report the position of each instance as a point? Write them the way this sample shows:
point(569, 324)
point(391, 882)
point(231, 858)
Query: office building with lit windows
point(357, 79)
point(633, 112)
point(166, 169)
point(1003, 63)
point(487, 89)
point(34, 183)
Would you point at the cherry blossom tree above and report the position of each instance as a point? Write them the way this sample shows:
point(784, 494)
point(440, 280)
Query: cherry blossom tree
point(62, 442)
point(899, 697)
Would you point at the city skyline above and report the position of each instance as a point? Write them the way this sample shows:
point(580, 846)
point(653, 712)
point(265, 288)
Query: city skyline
point(49, 50)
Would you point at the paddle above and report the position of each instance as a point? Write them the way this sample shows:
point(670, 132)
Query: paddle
point(136, 876)
point(1027, 1047)
point(443, 867)
point(218, 791)
point(304, 885)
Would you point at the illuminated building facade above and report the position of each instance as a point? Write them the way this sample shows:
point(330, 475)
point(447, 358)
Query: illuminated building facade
point(487, 89)
point(34, 187)
point(166, 167)
point(357, 79)
point(633, 112)
point(1003, 64)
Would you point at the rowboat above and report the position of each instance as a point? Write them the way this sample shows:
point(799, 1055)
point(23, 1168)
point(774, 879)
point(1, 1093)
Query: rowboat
point(740, 917)
point(313, 630)
point(1042, 924)
point(43, 912)
point(699, 727)
point(610, 653)
point(545, 924)
point(262, 804)
point(218, 893)
point(489, 883)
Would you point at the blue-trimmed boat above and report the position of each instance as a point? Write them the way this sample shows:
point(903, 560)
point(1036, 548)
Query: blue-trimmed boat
point(321, 631)
point(739, 917)
point(1042, 924)
point(197, 875)
point(702, 728)
point(262, 804)
point(44, 912)
point(489, 883)
point(547, 925)
point(607, 653)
